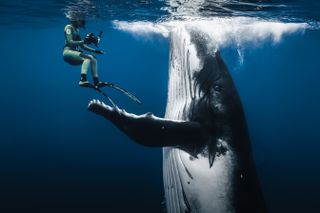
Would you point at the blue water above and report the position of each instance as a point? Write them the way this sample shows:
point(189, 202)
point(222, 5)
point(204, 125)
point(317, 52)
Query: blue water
point(55, 156)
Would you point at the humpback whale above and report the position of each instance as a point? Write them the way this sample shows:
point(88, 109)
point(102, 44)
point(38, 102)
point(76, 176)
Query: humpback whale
point(207, 161)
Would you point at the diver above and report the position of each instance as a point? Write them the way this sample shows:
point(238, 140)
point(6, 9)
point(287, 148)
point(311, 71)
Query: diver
point(75, 56)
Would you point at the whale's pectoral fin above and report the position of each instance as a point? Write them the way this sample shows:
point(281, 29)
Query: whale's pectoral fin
point(149, 130)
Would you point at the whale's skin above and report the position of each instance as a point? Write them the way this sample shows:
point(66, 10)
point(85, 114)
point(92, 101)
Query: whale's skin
point(207, 161)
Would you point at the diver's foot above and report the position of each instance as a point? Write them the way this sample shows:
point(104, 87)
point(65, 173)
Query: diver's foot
point(101, 84)
point(83, 83)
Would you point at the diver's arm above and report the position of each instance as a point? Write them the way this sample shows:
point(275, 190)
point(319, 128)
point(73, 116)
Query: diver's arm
point(86, 47)
point(69, 39)
point(72, 42)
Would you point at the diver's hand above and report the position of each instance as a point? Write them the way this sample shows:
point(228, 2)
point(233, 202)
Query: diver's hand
point(87, 40)
point(90, 38)
point(99, 51)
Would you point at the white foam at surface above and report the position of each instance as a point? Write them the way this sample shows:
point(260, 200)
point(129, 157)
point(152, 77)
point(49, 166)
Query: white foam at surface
point(142, 28)
point(222, 31)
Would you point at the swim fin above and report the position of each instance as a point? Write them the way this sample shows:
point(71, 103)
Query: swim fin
point(102, 84)
point(111, 85)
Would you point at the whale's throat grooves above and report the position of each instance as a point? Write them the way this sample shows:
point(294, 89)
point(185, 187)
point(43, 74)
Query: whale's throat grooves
point(191, 185)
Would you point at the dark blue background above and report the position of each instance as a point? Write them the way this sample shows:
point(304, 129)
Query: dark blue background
point(55, 156)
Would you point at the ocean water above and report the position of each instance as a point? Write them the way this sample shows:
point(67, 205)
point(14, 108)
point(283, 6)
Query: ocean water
point(55, 156)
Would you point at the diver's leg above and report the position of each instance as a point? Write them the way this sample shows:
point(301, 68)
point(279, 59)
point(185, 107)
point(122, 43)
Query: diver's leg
point(84, 70)
point(91, 61)
point(94, 70)
point(76, 58)
point(94, 67)
point(72, 57)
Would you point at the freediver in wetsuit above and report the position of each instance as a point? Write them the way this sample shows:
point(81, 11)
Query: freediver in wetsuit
point(75, 56)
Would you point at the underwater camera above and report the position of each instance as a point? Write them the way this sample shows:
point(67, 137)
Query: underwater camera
point(92, 39)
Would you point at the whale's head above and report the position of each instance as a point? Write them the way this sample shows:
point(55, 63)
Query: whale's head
point(200, 86)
